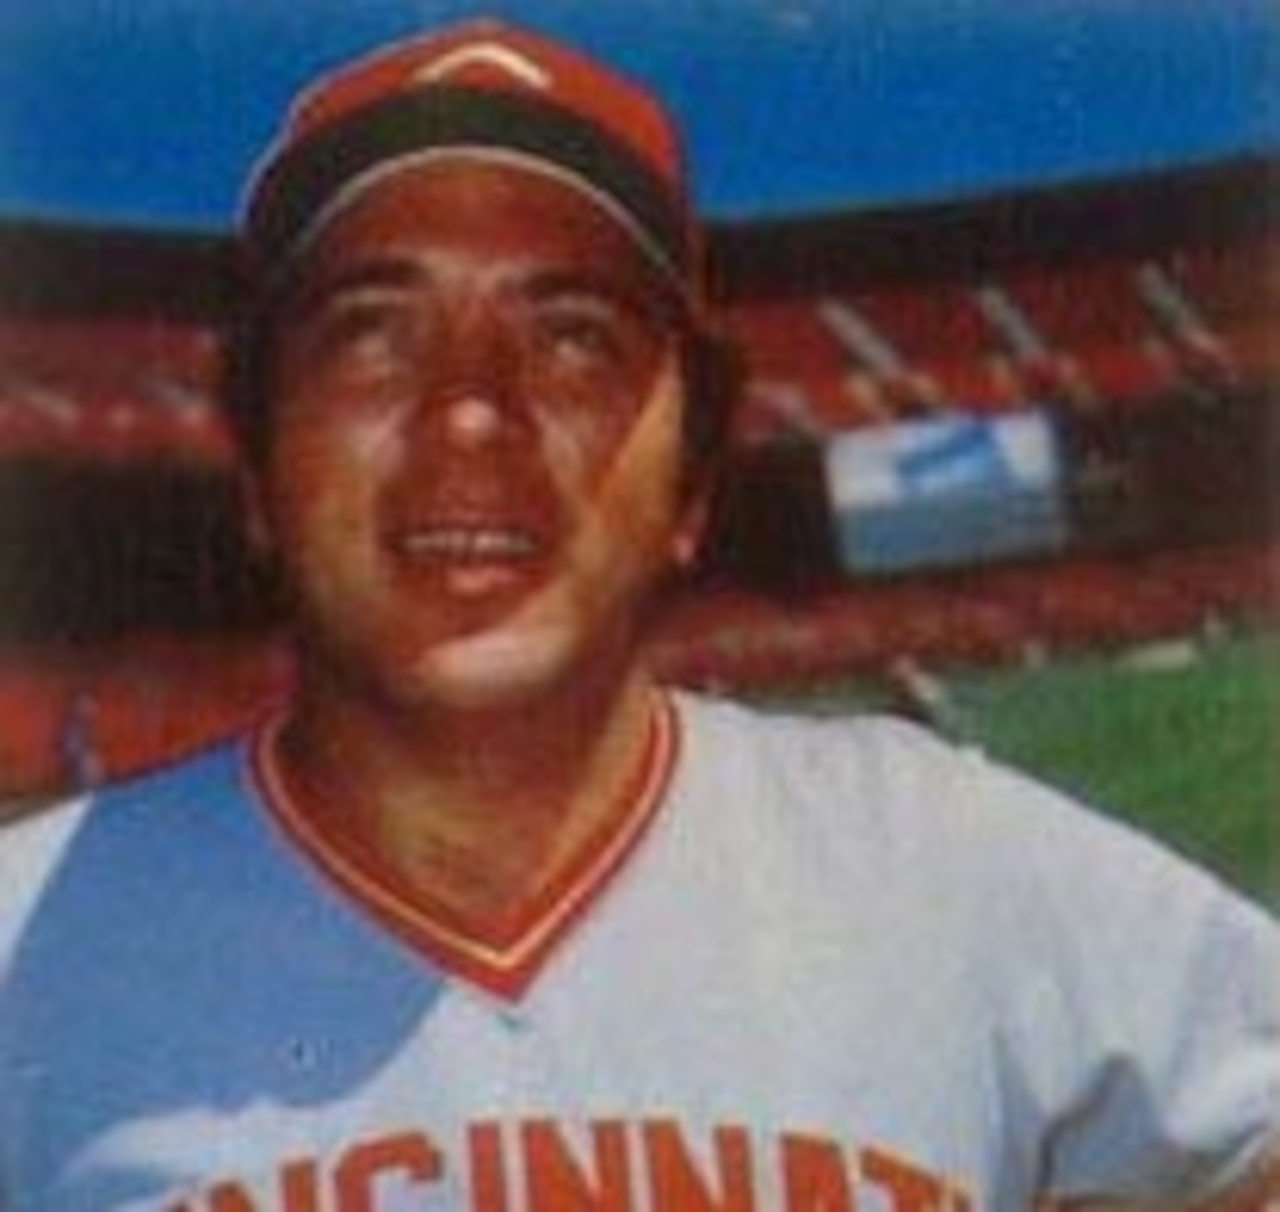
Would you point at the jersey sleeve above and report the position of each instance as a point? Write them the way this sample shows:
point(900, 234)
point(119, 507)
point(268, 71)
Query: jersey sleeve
point(1139, 1006)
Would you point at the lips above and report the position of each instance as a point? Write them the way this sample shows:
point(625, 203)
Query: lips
point(470, 557)
point(471, 531)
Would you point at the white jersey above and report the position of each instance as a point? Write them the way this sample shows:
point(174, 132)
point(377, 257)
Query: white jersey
point(822, 967)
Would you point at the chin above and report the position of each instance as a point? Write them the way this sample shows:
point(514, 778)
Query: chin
point(492, 670)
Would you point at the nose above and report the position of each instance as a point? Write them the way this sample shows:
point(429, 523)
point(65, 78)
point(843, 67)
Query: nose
point(473, 419)
point(469, 396)
point(470, 392)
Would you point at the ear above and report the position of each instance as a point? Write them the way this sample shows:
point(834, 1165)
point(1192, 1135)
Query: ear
point(253, 511)
point(686, 538)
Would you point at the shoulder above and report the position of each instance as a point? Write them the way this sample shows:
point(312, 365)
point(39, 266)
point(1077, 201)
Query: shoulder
point(917, 804)
point(117, 831)
point(878, 771)
point(873, 801)
point(29, 851)
point(151, 805)
point(813, 747)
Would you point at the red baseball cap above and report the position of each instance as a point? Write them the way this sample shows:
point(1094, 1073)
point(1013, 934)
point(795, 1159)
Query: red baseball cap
point(482, 88)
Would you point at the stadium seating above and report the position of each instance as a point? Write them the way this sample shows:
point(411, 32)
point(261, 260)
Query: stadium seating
point(37, 711)
point(1093, 334)
point(998, 615)
point(109, 389)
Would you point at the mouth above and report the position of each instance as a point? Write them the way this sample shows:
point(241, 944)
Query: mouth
point(470, 559)
point(468, 544)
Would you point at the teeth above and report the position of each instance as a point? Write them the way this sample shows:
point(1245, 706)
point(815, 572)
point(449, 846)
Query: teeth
point(457, 542)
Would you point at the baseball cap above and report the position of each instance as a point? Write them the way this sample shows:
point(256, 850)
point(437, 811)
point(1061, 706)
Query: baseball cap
point(485, 89)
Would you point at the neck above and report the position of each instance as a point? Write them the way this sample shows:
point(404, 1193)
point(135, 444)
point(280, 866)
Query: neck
point(476, 810)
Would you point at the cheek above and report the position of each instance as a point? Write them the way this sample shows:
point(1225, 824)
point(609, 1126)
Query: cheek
point(600, 444)
point(579, 451)
point(321, 479)
point(636, 497)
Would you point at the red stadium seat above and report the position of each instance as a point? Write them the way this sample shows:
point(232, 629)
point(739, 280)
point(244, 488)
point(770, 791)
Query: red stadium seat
point(35, 710)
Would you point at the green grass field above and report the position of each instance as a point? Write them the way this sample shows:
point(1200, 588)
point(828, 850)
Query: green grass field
point(1184, 743)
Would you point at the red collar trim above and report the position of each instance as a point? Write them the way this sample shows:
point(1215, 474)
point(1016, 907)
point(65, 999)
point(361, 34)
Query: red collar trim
point(504, 964)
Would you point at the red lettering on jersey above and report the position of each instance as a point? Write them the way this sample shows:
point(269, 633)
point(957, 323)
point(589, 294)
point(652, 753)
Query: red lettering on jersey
point(558, 1181)
point(606, 1165)
point(815, 1175)
point(363, 1167)
point(488, 1178)
point(912, 1189)
point(230, 1197)
point(300, 1187)
point(673, 1172)
point(299, 1192)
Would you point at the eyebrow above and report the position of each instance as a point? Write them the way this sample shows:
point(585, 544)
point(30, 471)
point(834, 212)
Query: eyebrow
point(541, 283)
point(303, 296)
point(647, 302)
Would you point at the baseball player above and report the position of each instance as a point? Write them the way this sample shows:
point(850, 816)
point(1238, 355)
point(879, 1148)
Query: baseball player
point(486, 920)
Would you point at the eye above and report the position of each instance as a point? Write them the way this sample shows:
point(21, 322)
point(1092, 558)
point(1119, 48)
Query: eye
point(585, 334)
point(361, 346)
point(359, 327)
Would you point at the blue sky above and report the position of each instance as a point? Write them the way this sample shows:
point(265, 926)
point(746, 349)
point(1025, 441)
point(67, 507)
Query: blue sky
point(150, 112)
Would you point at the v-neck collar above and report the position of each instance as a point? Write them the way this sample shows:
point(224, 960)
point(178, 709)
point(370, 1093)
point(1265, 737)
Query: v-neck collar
point(502, 963)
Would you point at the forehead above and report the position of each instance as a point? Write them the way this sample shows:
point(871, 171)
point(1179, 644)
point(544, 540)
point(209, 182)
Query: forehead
point(506, 217)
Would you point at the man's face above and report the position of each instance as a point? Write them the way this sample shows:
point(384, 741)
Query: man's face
point(473, 476)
